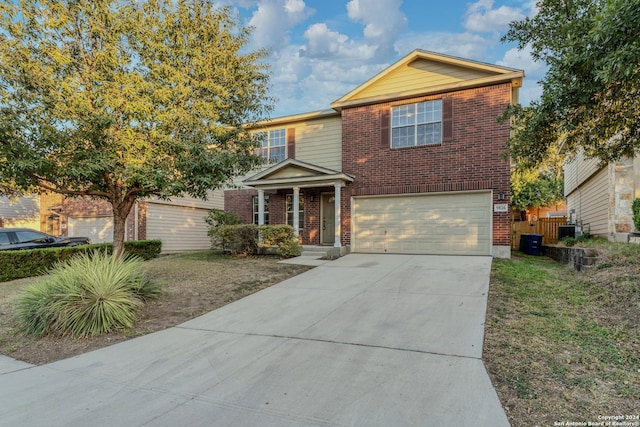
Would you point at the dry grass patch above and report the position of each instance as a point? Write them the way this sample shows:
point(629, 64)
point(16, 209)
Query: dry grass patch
point(565, 346)
point(194, 284)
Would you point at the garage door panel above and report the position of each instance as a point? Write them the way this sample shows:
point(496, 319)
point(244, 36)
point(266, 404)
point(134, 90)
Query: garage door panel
point(456, 223)
point(180, 228)
point(99, 229)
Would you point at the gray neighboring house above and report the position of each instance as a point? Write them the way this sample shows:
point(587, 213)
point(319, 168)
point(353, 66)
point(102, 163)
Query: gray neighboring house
point(20, 212)
point(600, 197)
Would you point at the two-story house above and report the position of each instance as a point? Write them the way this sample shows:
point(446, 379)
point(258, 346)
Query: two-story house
point(408, 162)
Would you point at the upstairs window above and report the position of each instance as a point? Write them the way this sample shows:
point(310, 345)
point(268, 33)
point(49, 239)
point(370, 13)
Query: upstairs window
point(416, 124)
point(273, 145)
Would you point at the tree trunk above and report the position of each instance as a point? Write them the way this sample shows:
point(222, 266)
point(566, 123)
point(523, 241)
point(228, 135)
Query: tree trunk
point(120, 213)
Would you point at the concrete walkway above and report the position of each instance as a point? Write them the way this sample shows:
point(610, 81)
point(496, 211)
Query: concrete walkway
point(367, 340)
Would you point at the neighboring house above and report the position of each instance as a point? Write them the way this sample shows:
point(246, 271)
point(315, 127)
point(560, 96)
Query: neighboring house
point(20, 212)
point(408, 162)
point(599, 197)
point(178, 223)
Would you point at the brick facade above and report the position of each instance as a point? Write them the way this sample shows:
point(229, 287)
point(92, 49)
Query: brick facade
point(471, 161)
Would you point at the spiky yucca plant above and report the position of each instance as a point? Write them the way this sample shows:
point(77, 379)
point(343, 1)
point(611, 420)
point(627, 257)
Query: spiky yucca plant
point(87, 295)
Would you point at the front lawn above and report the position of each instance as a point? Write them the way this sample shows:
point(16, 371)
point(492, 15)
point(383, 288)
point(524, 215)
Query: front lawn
point(194, 284)
point(563, 346)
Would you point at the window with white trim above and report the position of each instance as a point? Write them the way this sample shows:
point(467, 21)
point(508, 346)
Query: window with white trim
point(416, 124)
point(289, 209)
point(256, 203)
point(273, 145)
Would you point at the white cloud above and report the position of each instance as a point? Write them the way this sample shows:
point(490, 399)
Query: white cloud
point(383, 21)
point(482, 18)
point(463, 45)
point(273, 19)
point(324, 43)
point(534, 72)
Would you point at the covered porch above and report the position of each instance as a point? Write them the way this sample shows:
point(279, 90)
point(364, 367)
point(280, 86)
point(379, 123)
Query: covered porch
point(306, 196)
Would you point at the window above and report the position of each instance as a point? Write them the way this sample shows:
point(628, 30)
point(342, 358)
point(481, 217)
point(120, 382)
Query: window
point(289, 209)
point(273, 145)
point(4, 239)
point(31, 236)
point(255, 210)
point(416, 124)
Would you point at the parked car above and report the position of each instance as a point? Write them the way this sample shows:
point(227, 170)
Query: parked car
point(25, 238)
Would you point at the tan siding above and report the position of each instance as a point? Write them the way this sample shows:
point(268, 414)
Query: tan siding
point(215, 200)
point(418, 75)
point(577, 171)
point(179, 228)
point(591, 203)
point(21, 212)
point(320, 142)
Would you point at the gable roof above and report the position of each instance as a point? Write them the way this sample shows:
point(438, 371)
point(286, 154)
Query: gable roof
point(291, 172)
point(422, 73)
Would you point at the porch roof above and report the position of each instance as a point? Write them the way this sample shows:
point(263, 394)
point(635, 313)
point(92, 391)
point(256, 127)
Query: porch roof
point(295, 173)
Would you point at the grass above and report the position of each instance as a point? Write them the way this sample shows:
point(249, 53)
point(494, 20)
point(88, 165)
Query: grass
point(562, 345)
point(193, 284)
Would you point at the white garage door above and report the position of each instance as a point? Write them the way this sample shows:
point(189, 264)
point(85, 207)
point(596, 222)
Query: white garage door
point(179, 228)
point(98, 228)
point(453, 224)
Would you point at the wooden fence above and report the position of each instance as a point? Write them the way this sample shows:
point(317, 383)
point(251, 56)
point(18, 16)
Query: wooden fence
point(548, 227)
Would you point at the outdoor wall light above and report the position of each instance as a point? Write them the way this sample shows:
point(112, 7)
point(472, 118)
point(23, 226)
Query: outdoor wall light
point(501, 196)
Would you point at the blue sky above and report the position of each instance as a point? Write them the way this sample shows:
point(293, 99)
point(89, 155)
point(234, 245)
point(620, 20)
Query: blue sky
point(321, 49)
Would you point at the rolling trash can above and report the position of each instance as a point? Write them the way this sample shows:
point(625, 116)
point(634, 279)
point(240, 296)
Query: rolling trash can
point(531, 244)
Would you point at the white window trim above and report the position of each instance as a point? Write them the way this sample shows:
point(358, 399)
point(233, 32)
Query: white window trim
point(415, 124)
point(300, 211)
point(265, 151)
point(255, 213)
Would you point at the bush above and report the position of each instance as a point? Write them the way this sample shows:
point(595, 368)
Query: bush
point(217, 217)
point(34, 262)
point(249, 239)
point(89, 294)
point(282, 237)
point(635, 208)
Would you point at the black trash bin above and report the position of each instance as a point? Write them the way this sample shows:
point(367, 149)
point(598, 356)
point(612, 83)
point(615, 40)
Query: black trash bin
point(531, 244)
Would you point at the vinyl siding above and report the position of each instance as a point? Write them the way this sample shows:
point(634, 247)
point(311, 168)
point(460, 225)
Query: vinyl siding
point(577, 171)
point(591, 203)
point(179, 228)
point(215, 200)
point(318, 141)
point(21, 212)
point(418, 75)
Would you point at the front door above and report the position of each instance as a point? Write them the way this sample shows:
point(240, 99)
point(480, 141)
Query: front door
point(328, 210)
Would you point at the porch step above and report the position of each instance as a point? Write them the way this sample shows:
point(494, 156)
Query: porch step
point(315, 251)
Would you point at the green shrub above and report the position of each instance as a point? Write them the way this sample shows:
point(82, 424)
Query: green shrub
point(89, 294)
point(249, 239)
point(34, 262)
point(635, 208)
point(282, 237)
point(217, 217)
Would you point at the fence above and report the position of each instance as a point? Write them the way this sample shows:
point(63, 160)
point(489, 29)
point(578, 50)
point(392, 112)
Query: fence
point(548, 227)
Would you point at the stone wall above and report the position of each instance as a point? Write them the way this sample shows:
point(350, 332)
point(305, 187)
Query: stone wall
point(578, 258)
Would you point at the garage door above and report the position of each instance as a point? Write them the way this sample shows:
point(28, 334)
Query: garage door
point(98, 228)
point(179, 228)
point(453, 224)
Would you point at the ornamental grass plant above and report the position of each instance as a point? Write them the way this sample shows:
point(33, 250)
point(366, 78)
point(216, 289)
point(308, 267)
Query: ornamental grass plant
point(87, 295)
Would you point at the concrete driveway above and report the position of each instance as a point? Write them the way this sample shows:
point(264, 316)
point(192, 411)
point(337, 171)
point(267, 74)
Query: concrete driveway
point(368, 340)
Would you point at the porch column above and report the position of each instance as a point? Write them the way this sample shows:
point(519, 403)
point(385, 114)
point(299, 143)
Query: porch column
point(336, 205)
point(296, 211)
point(260, 207)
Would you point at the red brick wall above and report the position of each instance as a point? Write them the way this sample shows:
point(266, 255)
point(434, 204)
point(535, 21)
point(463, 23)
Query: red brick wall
point(240, 202)
point(471, 161)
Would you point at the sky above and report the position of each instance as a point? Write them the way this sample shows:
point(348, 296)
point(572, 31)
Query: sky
point(320, 50)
